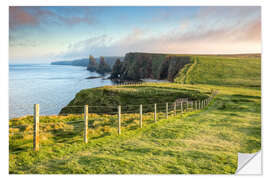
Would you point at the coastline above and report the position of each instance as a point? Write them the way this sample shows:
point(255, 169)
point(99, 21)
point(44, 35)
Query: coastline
point(30, 84)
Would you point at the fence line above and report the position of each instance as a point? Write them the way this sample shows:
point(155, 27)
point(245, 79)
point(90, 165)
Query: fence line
point(185, 106)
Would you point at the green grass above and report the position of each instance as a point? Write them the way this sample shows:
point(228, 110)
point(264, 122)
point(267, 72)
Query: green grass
point(147, 93)
point(201, 142)
point(224, 71)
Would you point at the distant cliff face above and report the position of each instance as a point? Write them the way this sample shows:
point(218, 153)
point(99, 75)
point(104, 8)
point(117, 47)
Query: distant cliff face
point(103, 64)
point(110, 60)
point(103, 67)
point(138, 66)
point(92, 65)
point(77, 62)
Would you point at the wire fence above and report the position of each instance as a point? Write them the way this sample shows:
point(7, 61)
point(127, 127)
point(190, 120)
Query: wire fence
point(93, 122)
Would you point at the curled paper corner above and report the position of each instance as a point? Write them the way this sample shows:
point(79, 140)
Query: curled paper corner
point(249, 164)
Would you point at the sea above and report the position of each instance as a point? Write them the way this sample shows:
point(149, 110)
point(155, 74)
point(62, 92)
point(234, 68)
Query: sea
point(50, 86)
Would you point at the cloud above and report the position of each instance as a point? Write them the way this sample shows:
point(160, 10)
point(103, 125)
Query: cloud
point(74, 20)
point(85, 47)
point(227, 12)
point(33, 16)
point(245, 37)
point(23, 43)
point(250, 31)
point(18, 16)
point(246, 32)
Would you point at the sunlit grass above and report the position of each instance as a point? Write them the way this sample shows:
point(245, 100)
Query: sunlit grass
point(245, 71)
point(201, 142)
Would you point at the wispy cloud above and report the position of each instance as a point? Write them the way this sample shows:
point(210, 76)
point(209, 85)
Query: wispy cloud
point(18, 17)
point(84, 47)
point(33, 16)
point(230, 39)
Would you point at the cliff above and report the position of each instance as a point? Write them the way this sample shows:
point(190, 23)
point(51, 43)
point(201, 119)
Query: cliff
point(102, 67)
point(138, 66)
point(110, 60)
point(92, 65)
point(77, 62)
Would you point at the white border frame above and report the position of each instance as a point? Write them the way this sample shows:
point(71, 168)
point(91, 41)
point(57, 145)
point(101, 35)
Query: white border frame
point(4, 72)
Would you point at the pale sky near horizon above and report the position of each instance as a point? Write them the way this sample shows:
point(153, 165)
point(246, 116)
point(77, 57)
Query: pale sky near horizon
point(44, 34)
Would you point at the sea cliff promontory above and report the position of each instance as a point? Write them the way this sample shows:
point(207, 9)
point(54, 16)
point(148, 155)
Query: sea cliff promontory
point(138, 66)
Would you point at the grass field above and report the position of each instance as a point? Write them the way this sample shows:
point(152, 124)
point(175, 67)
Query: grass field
point(204, 142)
point(224, 71)
point(200, 142)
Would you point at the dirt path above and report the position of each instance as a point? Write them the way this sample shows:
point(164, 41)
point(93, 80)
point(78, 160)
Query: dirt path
point(189, 70)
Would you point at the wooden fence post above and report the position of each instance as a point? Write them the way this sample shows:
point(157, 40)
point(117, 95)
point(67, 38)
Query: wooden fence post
point(36, 128)
point(175, 108)
point(119, 119)
point(202, 104)
point(141, 116)
point(166, 110)
point(181, 106)
point(85, 123)
point(155, 113)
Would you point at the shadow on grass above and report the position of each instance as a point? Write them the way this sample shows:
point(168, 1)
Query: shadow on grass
point(245, 96)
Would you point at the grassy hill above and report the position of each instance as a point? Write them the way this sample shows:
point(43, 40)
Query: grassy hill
point(134, 95)
point(200, 142)
point(223, 70)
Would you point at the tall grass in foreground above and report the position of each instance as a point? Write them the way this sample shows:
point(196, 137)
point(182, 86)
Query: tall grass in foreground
point(68, 129)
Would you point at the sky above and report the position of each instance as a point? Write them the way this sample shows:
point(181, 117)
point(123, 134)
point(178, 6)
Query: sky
point(45, 34)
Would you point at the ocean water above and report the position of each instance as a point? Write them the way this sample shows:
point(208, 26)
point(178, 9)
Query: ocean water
point(51, 86)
